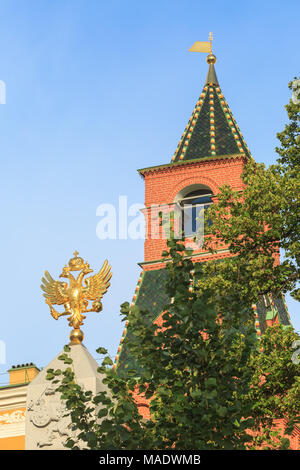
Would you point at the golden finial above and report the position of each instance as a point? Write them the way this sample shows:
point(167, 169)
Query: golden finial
point(75, 297)
point(211, 59)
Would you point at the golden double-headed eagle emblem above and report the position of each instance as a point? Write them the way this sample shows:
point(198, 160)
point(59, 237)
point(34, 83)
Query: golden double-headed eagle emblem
point(75, 296)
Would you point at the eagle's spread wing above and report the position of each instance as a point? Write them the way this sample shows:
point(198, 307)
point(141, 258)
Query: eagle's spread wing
point(97, 285)
point(54, 291)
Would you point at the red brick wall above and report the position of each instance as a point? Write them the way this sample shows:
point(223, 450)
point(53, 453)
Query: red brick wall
point(162, 186)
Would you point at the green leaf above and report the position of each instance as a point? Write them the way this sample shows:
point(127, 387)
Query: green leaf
point(222, 411)
point(211, 382)
point(107, 361)
point(101, 351)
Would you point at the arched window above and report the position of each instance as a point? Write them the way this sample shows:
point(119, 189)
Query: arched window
point(193, 201)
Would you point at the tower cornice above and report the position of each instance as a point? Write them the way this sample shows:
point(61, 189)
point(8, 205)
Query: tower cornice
point(196, 161)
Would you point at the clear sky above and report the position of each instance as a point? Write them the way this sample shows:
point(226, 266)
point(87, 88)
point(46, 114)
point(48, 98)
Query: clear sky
point(96, 90)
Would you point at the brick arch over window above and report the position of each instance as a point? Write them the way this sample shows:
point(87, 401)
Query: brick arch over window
point(197, 180)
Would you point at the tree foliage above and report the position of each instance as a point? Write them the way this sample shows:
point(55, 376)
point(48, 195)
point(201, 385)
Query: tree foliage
point(275, 389)
point(258, 224)
point(194, 364)
point(209, 382)
point(194, 374)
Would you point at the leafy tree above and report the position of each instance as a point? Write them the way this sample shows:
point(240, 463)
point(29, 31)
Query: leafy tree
point(289, 138)
point(259, 223)
point(275, 389)
point(193, 373)
point(194, 364)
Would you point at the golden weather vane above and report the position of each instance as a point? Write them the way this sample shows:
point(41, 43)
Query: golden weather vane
point(75, 297)
point(205, 46)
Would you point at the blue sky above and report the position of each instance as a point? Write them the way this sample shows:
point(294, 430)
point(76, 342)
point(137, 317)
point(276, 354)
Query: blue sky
point(96, 90)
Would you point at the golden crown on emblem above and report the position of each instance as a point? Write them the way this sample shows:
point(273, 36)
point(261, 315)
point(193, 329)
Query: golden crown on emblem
point(76, 263)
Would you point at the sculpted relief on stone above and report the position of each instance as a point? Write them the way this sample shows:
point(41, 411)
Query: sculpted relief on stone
point(49, 414)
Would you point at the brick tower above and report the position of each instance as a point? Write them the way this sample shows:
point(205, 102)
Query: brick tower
point(210, 153)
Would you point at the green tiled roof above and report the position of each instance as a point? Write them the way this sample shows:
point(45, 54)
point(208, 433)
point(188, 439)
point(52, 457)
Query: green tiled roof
point(212, 129)
point(152, 297)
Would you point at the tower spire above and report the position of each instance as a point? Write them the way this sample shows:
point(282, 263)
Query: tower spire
point(211, 130)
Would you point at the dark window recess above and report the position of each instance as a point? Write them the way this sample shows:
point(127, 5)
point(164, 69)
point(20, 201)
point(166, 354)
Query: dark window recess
point(192, 205)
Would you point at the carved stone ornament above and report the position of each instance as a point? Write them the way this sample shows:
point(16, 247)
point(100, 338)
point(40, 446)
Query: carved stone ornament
point(48, 422)
point(49, 412)
point(17, 416)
